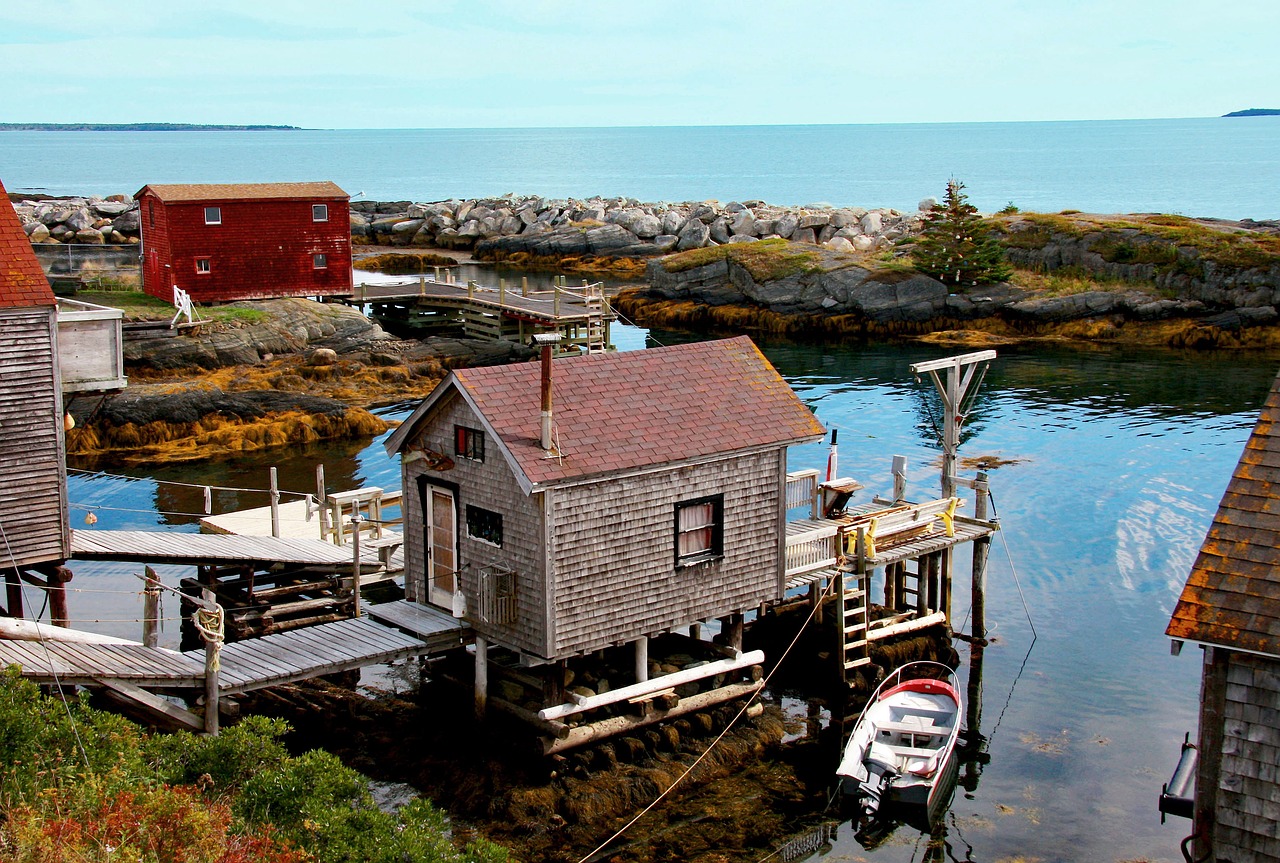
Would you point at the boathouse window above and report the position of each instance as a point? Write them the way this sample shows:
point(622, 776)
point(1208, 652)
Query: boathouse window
point(213, 215)
point(699, 529)
point(468, 443)
point(319, 261)
point(203, 265)
point(484, 525)
point(319, 212)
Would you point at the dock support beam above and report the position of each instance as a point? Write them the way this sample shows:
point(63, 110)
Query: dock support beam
point(151, 609)
point(642, 658)
point(981, 550)
point(482, 677)
point(211, 649)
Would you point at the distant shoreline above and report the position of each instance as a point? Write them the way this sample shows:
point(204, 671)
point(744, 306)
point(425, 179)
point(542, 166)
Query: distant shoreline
point(140, 127)
point(1255, 112)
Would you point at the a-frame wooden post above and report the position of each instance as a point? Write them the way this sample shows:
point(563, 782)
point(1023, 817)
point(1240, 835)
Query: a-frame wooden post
point(960, 371)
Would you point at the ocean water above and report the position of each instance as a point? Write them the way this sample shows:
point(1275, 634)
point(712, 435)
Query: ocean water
point(1114, 464)
point(1215, 167)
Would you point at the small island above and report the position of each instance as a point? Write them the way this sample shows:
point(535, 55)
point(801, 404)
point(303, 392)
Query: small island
point(139, 127)
point(1255, 112)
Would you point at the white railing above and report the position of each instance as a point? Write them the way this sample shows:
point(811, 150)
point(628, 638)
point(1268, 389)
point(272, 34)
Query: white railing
point(812, 550)
point(802, 489)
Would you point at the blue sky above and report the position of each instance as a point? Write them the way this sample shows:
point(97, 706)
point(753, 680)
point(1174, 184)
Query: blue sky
point(540, 63)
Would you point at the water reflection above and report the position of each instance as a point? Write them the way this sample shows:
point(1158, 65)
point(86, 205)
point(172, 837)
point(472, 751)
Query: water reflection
point(1121, 457)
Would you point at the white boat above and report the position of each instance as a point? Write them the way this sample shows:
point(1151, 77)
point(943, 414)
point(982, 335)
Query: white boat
point(900, 761)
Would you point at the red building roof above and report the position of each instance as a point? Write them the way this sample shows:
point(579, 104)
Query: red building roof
point(22, 280)
point(626, 411)
point(176, 192)
point(1232, 597)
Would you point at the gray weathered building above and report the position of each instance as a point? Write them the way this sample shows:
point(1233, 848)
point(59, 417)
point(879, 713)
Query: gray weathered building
point(1231, 607)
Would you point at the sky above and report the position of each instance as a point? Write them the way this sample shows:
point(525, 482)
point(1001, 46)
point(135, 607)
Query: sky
point(492, 63)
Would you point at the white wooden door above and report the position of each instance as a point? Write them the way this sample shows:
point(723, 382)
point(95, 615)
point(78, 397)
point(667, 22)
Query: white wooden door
point(442, 546)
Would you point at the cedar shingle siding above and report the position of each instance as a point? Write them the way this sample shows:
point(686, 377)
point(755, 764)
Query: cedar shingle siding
point(1248, 809)
point(33, 516)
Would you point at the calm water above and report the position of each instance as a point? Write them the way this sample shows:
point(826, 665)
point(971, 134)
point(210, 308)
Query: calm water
point(1223, 167)
point(1120, 461)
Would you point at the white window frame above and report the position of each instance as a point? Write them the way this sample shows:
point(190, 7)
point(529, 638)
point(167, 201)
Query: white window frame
point(207, 267)
point(213, 215)
point(699, 530)
point(322, 209)
point(319, 261)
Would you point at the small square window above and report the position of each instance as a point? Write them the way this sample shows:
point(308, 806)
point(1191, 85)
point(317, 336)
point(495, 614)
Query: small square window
point(319, 262)
point(699, 530)
point(204, 265)
point(468, 443)
point(213, 215)
point(319, 212)
point(484, 525)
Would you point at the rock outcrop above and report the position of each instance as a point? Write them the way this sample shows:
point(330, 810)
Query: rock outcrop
point(92, 221)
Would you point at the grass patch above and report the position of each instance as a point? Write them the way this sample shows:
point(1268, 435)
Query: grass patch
point(234, 315)
point(766, 260)
point(135, 305)
point(1069, 280)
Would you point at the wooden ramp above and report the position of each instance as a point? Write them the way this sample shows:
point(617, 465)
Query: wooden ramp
point(245, 665)
point(196, 549)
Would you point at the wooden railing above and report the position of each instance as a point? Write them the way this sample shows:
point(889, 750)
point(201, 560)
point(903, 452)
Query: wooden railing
point(812, 550)
point(802, 490)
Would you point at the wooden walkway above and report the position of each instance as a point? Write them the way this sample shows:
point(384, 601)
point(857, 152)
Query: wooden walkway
point(198, 549)
point(551, 308)
point(246, 665)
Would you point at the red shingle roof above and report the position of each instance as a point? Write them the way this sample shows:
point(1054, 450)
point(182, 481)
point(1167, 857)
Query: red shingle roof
point(1232, 597)
point(22, 280)
point(621, 412)
point(241, 191)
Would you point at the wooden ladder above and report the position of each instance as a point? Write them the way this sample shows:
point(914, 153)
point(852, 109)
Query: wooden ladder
point(853, 622)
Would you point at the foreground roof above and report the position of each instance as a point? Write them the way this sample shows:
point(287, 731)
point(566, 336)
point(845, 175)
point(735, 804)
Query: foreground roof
point(1232, 597)
point(619, 412)
point(22, 280)
point(177, 192)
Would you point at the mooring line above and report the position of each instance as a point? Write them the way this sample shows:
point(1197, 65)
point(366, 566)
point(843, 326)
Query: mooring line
point(728, 727)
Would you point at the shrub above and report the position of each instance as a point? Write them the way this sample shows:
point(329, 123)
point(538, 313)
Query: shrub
point(956, 245)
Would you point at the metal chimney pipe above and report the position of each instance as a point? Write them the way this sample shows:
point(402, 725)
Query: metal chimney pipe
point(546, 341)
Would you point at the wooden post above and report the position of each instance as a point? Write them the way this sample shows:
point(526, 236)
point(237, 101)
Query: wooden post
point(211, 648)
point(695, 631)
point(891, 586)
point(482, 676)
point(471, 289)
point(502, 292)
point(953, 393)
point(151, 609)
point(355, 559)
point(1213, 695)
point(732, 628)
point(642, 658)
point(981, 551)
point(57, 577)
point(436, 277)
point(275, 504)
point(13, 590)
point(320, 499)
point(899, 478)
point(422, 284)
point(524, 286)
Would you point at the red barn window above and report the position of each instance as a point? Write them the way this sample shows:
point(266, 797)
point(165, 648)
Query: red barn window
point(213, 215)
point(204, 265)
point(319, 212)
point(319, 261)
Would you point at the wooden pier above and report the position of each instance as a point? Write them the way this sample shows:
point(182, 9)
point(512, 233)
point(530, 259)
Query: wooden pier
point(581, 316)
point(133, 670)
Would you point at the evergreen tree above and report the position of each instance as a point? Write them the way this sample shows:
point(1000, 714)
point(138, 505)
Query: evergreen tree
point(956, 245)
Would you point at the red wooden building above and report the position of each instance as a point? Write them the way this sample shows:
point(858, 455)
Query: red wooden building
point(241, 241)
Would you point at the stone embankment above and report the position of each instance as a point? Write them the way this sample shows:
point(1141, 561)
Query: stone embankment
point(91, 221)
point(619, 227)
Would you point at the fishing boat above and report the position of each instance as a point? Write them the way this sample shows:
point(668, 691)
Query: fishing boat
point(900, 759)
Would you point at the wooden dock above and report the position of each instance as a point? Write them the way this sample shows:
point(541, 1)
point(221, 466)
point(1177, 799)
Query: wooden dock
point(245, 666)
point(196, 549)
point(580, 315)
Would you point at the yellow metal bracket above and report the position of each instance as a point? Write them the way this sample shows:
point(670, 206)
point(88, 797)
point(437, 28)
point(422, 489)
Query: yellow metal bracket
point(948, 517)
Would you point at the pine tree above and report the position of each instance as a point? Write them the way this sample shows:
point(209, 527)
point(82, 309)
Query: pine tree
point(956, 245)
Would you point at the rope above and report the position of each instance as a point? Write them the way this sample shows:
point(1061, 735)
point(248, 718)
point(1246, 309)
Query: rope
point(208, 622)
point(1013, 569)
point(98, 473)
point(729, 727)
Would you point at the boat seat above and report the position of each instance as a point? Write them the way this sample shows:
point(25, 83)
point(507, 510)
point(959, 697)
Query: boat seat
point(882, 755)
point(907, 751)
point(909, 728)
